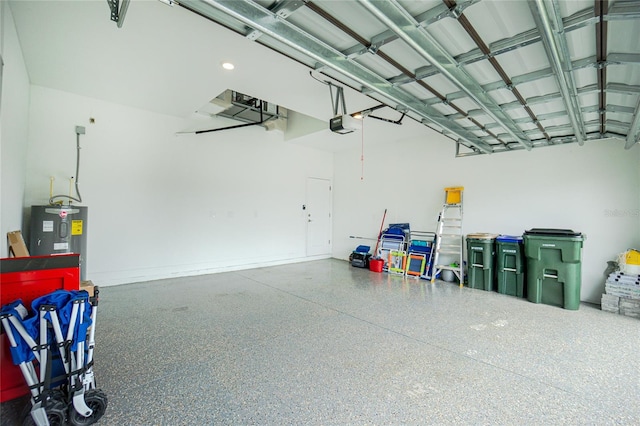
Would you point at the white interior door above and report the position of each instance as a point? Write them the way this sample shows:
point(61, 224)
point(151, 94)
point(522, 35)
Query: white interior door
point(318, 216)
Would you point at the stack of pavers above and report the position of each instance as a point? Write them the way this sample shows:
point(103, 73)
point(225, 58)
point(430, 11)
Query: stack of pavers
point(622, 294)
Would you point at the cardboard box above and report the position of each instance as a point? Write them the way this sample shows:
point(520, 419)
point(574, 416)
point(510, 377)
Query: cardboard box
point(17, 247)
point(88, 286)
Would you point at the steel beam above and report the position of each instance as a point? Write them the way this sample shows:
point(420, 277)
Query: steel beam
point(473, 33)
point(577, 20)
point(382, 55)
point(623, 88)
point(394, 16)
point(424, 19)
point(547, 17)
point(634, 130)
point(623, 10)
point(601, 8)
point(283, 9)
point(623, 58)
point(118, 11)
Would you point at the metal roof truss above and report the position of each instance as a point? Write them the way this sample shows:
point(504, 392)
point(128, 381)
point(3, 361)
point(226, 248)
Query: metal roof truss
point(479, 84)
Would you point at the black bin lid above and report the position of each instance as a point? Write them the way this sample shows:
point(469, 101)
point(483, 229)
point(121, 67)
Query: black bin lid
point(550, 232)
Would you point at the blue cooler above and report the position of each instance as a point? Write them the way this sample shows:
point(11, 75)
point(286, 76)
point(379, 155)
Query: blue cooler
point(360, 257)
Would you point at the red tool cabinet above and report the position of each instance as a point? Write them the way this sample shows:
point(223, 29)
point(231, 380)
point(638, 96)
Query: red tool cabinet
point(28, 278)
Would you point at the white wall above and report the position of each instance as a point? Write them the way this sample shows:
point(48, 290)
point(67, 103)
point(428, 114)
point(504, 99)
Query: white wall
point(592, 189)
point(162, 205)
point(14, 110)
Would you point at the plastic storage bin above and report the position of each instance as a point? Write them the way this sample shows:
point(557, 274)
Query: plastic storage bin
point(481, 260)
point(510, 265)
point(554, 266)
point(453, 194)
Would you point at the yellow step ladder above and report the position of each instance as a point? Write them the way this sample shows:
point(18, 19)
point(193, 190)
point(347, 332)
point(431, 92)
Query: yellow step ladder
point(449, 236)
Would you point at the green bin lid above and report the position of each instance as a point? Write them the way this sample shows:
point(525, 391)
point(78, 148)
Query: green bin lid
point(549, 232)
point(482, 236)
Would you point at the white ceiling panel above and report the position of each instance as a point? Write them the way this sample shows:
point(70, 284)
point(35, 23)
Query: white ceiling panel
point(570, 7)
point(502, 96)
point(497, 20)
point(482, 72)
point(621, 35)
point(400, 52)
point(581, 43)
point(417, 90)
point(625, 74)
point(378, 65)
point(556, 105)
point(451, 36)
point(628, 99)
point(524, 60)
point(539, 87)
point(312, 23)
point(441, 84)
point(585, 77)
point(517, 113)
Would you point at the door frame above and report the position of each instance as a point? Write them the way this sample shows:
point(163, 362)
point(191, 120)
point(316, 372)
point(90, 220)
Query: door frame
point(306, 216)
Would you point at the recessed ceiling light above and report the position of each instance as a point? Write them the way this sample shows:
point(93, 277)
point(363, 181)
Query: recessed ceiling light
point(228, 65)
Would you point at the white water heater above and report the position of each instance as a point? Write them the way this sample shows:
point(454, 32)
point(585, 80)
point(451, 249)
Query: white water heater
point(59, 229)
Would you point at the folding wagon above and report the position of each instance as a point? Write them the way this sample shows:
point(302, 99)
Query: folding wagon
point(53, 346)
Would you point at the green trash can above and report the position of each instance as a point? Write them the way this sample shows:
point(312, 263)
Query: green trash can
point(481, 260)
point(554, 266)
point(510, 265)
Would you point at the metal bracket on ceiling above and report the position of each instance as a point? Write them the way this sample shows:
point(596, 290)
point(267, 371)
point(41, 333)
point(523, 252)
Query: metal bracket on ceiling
point(373, 49)
point(253, 35)
point(281, 10)
point(459, 150)
point(338, 103)
point(456, 9)
point(549, 23)
point(118, 11)
point(286, 7)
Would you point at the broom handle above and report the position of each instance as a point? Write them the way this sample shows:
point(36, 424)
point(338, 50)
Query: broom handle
point(380, 232)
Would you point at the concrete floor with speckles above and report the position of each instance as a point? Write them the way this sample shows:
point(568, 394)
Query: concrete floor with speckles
point(324, 343)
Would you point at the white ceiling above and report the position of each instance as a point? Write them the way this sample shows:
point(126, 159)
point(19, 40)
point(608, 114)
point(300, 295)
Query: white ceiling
point(167, 59)
point(164, 59)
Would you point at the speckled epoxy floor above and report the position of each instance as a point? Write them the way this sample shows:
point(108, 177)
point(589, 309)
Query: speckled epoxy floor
point(323, 343)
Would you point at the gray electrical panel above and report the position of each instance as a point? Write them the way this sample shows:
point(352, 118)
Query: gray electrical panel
point(59, 229)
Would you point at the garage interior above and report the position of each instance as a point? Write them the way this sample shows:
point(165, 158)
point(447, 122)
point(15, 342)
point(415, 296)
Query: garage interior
point(223, 197)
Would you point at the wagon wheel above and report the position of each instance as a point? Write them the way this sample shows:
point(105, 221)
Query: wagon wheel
point(97, 401)
point(56, 410)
